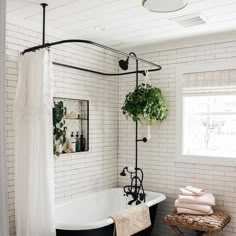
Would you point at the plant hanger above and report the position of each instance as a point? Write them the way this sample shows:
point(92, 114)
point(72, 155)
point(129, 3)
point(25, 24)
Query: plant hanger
point(146, 78)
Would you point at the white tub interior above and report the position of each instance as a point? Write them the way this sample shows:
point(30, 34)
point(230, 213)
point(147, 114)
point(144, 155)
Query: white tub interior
point(93, 210)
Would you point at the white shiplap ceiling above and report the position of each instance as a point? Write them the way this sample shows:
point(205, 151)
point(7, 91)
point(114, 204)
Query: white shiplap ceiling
point(126, 22)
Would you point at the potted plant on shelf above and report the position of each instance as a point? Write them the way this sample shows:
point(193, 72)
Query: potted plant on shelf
point(145, 105)
point(59, 129)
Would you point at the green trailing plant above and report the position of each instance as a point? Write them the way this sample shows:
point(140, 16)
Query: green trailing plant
point(145, 105)
point(59, 129)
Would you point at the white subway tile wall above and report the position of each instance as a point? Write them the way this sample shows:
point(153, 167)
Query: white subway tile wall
point(80, 173)
point(157, 157)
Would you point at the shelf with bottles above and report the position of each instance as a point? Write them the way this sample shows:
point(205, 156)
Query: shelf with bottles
point(75, 143)
point(70, 136)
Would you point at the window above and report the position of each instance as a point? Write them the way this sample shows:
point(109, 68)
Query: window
point(206, 113)
point(209, 124)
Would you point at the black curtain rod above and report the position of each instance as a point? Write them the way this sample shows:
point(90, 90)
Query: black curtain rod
point(102, 73)
point(130, 55)
point(48, 45)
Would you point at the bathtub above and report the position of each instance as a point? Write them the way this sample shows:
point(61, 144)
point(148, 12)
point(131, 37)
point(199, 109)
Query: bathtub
point(89, 215)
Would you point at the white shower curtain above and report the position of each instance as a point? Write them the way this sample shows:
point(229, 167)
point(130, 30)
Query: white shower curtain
point(34, 172)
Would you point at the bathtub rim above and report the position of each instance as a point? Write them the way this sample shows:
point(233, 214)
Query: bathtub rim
point(107, 221)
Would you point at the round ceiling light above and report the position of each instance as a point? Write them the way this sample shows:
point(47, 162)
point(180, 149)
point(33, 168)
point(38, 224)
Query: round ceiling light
point(164, 5)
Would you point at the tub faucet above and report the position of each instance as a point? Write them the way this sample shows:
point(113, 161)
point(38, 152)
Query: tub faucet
point(135, 189)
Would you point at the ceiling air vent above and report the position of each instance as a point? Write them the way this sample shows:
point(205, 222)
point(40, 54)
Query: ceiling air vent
point(190, 20)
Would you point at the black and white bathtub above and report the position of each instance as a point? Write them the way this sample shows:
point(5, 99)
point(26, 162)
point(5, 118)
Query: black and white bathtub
point(89, 215)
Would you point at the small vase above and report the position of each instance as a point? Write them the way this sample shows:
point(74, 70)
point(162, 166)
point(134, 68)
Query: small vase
point(58, 147)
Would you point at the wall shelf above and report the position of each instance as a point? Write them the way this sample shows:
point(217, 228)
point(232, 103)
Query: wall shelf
point(76, 128)
point(74, 118)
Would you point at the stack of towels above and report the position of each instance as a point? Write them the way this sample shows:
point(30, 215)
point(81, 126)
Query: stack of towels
point(194, 201)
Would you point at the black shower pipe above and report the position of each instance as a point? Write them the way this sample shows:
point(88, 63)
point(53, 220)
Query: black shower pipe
point(136, 127)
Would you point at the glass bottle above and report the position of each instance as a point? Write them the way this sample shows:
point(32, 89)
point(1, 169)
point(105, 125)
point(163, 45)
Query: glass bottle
point(82, 142)
point(72, 142)
point(77, 142)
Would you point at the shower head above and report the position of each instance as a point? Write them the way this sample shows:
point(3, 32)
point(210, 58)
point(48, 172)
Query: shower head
point(124, 64)
point(122, 173)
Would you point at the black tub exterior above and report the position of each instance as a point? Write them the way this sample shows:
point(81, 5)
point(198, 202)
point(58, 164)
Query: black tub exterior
point(108, 230)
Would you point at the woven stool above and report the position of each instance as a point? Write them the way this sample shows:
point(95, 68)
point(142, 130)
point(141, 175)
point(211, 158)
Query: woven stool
point(203, 225)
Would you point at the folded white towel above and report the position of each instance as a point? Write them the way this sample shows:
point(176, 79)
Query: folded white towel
point(131, 220)
point(195, 207)
point(207, 199)
point(197, 191)
point(186, 192)
point(192, 212)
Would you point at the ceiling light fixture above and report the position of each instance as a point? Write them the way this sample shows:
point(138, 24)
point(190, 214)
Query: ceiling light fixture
point(164, 6)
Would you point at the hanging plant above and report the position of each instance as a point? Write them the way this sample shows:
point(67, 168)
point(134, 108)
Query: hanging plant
point(145, 105)
point(59, 131)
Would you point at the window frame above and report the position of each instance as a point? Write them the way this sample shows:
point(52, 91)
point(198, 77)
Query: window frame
point(181, 70)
